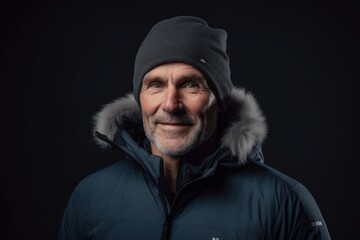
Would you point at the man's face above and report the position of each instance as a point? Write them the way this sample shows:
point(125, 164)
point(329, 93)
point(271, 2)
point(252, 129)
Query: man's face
point(179, 110)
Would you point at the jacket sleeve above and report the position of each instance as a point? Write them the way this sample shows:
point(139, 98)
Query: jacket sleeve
point(300, 217)
point(70, 228)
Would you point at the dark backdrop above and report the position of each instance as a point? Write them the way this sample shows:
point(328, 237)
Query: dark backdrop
point(61, 62)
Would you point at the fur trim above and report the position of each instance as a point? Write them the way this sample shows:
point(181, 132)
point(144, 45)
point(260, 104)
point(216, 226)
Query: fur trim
point(248, 128)
point(114, 115)
point(245, 125)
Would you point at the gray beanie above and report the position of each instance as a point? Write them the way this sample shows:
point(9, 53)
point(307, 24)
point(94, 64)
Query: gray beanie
point(188, 40)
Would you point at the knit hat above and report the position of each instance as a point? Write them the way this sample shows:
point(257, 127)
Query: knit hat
point(188, 40)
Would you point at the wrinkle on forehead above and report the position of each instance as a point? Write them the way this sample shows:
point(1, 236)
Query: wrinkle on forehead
point(171, 71)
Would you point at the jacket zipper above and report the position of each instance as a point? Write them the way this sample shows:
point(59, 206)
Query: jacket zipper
point(166, 228)
point(165, 233)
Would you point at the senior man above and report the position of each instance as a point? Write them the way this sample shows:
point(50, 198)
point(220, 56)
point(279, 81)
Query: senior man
point(193, 166)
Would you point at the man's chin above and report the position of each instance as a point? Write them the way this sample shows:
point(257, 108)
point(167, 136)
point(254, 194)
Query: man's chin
point(174, 150)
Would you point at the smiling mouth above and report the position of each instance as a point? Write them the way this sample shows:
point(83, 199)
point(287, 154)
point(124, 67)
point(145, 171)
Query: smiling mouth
point(174, 123)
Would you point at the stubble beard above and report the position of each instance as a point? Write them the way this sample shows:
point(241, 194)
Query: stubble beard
point(195, 137)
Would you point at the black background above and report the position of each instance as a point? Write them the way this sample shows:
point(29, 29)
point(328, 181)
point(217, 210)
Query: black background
point(60, 62)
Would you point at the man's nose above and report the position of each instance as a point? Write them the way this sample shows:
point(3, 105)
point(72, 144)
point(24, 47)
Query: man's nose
point(172, 101)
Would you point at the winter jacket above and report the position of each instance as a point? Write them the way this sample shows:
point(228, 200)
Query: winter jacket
point(231, 194)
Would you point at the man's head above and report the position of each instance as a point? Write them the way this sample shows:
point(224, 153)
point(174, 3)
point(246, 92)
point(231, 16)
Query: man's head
point(179, 110)
point(182, 81)
point(187, 39)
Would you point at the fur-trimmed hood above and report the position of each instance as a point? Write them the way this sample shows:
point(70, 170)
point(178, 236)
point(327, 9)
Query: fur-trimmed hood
point(243, 123)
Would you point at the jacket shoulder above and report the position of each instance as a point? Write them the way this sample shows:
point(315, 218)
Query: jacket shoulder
point(107, 178)
point(262, 176)
point(298, 208)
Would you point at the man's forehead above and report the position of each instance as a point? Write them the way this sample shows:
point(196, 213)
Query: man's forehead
point(177, 70)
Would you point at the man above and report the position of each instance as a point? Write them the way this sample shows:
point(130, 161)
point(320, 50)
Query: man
point(194, 166)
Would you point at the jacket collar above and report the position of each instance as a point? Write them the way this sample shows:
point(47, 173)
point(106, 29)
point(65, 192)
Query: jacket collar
point(243, 124)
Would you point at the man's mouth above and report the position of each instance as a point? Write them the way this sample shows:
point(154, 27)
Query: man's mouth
point(176, 123)
point(174, 126)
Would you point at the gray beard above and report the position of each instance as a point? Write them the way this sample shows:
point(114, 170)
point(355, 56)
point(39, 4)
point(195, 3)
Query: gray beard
point(195, 138)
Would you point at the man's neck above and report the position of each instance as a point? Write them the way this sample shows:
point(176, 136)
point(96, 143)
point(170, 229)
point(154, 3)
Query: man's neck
point(172, 164)
point(171, 167)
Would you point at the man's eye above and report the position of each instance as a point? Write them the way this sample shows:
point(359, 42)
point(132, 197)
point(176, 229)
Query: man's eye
point(155, 85)
point(190, 85)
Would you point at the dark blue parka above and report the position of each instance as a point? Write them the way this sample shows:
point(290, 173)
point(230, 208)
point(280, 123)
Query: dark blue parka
point(232, 194)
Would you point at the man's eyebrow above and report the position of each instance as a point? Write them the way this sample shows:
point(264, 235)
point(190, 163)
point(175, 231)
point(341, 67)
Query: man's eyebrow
point(192, 77)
